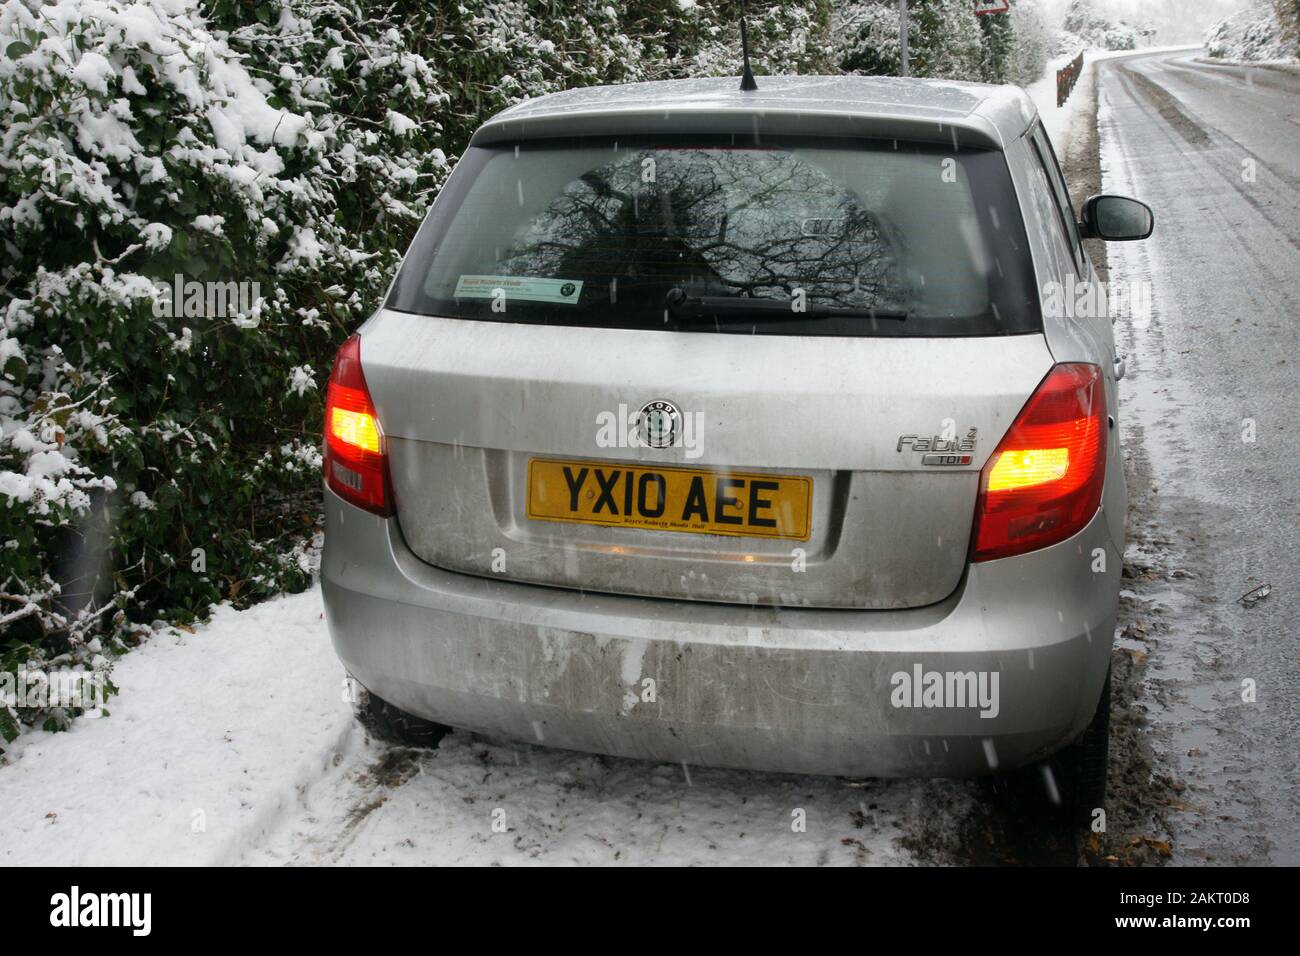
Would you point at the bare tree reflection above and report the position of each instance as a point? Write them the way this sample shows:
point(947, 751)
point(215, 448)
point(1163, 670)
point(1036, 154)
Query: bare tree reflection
point(715, 221)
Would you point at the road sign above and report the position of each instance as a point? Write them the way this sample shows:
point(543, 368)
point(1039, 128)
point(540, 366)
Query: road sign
point(985, 7)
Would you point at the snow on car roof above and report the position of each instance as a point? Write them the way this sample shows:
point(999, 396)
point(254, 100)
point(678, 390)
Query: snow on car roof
point(935, 110)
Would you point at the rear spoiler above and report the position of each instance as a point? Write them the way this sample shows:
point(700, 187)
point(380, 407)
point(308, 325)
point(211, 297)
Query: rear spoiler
point(974, 131)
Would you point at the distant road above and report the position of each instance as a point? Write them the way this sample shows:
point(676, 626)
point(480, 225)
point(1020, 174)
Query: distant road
point(1215, 150)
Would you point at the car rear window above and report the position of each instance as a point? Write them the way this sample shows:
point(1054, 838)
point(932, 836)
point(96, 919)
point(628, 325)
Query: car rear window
point(598, 233)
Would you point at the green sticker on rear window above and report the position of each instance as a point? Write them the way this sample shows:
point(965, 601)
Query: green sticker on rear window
point(523, 288)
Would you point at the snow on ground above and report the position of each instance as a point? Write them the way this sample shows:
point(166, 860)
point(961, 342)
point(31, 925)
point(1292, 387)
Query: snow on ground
point(203, 748)
point(1154, 410)
point(1058, 120)
point(235, 745)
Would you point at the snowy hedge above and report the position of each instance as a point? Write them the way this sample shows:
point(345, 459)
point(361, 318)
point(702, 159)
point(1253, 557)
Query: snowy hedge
point(1087, 28)
point(945, 39)
point(149, 139)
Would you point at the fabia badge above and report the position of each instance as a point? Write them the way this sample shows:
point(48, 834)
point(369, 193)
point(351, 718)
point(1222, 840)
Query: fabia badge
point(657, 423)
point(939, 450)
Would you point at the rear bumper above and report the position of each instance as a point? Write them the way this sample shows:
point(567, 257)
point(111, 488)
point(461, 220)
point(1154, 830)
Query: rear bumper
point(805, 691)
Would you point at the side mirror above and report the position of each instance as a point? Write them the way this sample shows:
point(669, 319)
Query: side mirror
point(1116, 218)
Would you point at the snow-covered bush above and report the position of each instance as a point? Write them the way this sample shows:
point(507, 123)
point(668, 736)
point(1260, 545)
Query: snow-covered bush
point(1064, 43)
point(1029, 54)
point(945, 39)
point(1120, 37)
point(867, 39)
point(683, 38)
point(1288, 19)
point(1085, 28)
point(145, 139)
point(1255, 33)
point(287, 148)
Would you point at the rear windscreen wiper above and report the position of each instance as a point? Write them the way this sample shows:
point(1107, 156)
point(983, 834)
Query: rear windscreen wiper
point(681, 305)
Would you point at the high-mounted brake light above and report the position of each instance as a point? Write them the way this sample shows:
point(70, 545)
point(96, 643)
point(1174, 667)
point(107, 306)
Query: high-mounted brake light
point(356, 460)
point(1043, 483)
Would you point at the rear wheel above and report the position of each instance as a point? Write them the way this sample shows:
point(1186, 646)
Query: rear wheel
point(392, 724)
point(1065, 790)
point(1078, 773)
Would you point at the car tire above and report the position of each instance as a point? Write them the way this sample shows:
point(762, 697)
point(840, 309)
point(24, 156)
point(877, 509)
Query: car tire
point(1080, 769)
point(392, 724)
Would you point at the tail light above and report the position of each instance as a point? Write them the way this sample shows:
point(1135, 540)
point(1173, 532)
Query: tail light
point(1043, 483)
point(356, 459)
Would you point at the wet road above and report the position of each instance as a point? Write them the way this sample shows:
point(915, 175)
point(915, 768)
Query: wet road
point(1211, 414)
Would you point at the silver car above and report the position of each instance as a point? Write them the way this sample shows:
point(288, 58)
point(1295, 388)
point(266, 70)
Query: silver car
point(742, 428)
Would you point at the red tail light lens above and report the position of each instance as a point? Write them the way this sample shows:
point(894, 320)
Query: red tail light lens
point(1043, 483)
point(356, 460)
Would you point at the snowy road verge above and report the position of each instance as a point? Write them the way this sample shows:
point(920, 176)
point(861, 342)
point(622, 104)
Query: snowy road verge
point(204, 747)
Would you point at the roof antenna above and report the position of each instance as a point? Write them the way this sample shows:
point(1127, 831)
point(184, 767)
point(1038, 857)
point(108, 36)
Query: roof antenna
point(747, 83)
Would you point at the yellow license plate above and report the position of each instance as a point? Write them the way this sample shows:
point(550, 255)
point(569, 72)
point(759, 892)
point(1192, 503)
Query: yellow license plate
point(660, 498)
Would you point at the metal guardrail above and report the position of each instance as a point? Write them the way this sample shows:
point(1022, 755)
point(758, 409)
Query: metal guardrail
point(1066, 77)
